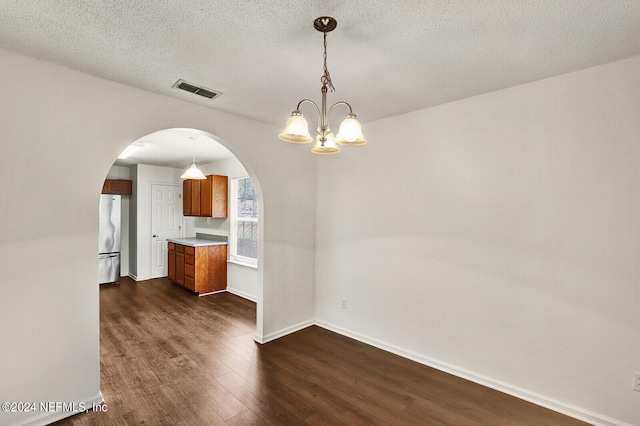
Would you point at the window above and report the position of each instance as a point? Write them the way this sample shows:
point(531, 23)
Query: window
point(244, 222)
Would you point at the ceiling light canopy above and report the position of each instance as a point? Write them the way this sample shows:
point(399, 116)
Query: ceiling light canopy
point(296, 129)
point(193, 172)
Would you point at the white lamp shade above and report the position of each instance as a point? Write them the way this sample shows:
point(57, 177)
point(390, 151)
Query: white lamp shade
point(193, 173)
point(296, 130)
point(329, 146)
point(350, 132)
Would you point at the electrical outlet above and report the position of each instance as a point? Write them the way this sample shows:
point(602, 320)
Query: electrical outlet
point(344, 303)
point(636, 382)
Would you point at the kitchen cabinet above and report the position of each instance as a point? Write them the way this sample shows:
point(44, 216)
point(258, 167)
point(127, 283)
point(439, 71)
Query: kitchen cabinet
point(213, 196)
point(179, 273)
point(206, 198)
point(191, 197)
point(117, 186)
point(171, 263)
point(201, 269)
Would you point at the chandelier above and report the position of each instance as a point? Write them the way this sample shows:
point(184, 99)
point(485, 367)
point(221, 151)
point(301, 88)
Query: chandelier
point(296, 129)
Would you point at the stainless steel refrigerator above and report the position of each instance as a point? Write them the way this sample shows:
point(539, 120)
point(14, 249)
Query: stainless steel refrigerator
point(109, 239)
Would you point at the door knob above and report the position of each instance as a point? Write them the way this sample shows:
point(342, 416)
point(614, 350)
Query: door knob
point(155, 236)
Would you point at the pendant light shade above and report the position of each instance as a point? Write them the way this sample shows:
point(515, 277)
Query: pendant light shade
point(328, 146)
point(193, 172)
point(296, 130)
point(350, 132)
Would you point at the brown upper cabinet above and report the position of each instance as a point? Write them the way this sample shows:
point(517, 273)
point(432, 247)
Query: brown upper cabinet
point(117, 186)
point(191, 197)
point(205, 198)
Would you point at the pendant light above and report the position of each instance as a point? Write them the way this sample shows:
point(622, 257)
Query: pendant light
point(296, 129)
point(193, 172)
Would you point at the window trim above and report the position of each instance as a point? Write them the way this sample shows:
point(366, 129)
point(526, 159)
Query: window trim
point(234, 258)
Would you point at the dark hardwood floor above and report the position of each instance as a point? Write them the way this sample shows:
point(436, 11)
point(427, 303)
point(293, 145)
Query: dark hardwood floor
point(171, 358)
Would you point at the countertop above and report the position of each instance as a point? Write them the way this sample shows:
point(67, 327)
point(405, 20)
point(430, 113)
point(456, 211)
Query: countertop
point(200, 240)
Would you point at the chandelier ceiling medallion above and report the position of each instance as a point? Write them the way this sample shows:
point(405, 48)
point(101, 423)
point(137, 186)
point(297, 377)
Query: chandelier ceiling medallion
point(297, 130)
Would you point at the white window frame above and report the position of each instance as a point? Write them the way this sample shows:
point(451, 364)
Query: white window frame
point(233, 227)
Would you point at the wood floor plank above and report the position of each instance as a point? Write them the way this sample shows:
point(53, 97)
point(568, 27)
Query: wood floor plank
point(246, 418)
point(168, 357)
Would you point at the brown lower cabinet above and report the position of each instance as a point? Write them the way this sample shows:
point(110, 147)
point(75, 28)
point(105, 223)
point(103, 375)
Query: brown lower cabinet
point(200, 269)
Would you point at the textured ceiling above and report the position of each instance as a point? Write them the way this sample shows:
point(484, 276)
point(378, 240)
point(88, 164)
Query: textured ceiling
point(386, 57)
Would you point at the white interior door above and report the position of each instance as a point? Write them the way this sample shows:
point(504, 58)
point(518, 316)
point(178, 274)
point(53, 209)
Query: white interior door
point(166, 222)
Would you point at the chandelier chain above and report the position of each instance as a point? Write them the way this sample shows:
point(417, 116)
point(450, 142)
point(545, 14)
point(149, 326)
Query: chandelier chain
point(326, 78)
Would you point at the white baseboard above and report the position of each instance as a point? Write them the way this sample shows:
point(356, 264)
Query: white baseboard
point(558, 406)
point(281, 333)
point(242, 294)
point(212, 292)
point(52, 417)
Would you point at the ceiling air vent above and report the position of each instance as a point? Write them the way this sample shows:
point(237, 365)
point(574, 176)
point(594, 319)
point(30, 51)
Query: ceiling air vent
point(192, 88)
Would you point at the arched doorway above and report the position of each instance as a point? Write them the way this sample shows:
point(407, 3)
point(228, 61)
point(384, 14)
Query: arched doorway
point(160, 160)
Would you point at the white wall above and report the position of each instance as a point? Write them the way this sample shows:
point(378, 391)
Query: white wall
point(498, 237)
point(133, 223)
point(119, 172)
point(70, 127)
point(242, 281)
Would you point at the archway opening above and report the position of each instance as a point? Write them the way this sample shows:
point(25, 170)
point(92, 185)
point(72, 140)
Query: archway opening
point(156, 166)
